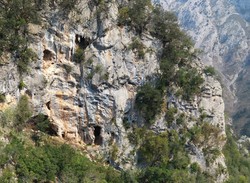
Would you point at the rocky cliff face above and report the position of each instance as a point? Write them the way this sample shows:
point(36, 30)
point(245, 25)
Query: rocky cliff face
point(87, 102)
point(221, 30)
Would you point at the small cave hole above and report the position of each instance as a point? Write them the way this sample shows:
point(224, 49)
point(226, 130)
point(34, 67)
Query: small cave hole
point(47, 55)
point(48, 105)
point(82, 42)
point(98, 137)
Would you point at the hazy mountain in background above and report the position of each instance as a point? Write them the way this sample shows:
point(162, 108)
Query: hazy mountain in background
point(222, 30)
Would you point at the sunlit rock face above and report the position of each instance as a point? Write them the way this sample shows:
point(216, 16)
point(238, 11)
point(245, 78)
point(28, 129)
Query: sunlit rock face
point(87, 101)
point(221, 29)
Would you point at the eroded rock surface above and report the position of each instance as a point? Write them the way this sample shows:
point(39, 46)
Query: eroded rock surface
point(87, 101)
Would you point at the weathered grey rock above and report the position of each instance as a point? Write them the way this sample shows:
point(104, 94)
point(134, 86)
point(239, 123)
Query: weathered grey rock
point(87, 101)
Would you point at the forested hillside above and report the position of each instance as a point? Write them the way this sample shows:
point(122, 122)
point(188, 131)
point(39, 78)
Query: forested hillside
point(109, 91)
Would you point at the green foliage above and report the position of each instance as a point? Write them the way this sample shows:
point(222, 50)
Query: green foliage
point(194, 167)
point(114, 152)
point(26, 56)
point(21, 85)
point(47, 162)
point(189, 80)
point(23, 112)
point(123, 18)
point(42, 123)
point(148, 102)
point(15, 15)
point(79, 56)
point(209, 70)
point(170, 115)
point(138, 46)
point(137, 136)
point(7, 117)
point(163, 24)
point(161, 174)
point(7, 176)
point(181, 119)
point(201, 134)
point(135, 14)
point(154, 148)
point(238, 165)
point(98, 69)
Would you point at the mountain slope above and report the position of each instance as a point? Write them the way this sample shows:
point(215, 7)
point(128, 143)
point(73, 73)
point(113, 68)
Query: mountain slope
point(119, 79)
point(222, 30)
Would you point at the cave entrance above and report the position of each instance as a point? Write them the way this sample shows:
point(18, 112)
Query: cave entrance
point(98, 137)
point(82, 42)
point(47, 55)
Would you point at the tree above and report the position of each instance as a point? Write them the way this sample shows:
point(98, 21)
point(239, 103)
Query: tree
point(148, 101)
point(23, 111)
point(15, 15)
point(154, 148)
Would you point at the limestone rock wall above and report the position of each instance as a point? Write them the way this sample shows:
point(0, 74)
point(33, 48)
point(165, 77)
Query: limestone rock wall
point(87, 101)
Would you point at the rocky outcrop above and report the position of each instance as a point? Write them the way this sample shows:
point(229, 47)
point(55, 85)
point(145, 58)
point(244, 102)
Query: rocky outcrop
point(87, 101)
point(221, 30)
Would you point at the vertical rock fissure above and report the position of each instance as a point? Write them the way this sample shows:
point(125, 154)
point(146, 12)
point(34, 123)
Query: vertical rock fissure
point(98, 137)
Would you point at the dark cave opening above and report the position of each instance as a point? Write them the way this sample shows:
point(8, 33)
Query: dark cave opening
point(48, 105)
point(47, 55)
point(98, 137)
point(82, 42)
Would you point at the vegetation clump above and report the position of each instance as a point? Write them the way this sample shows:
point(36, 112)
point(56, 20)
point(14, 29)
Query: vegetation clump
point(138, 46)
point(48, 162)
point(175, 58)
point(147, 97)
point(23, 112)
point(209, 70)
point(79, 56)
point(237, 161)
point(15, 15)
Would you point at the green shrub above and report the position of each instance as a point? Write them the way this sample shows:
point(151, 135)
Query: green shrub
point(78, 56)
point(170, 115)
point(21, 85)
point(194, 168)
point(135, 14)
point(154, 148)
point(189, 80)
point(25, 57)
point(238, 165)
point(15, 17)
point(162, 24)
point(123, 16)
point(48, 162)
point(114, 152)
point(138, 46)
point(7, 117)
point(98, 69)
point(181, 119)
point(148, 101)
point(7, 176)
point(209, 70)
point(23, 112)
point(42, 123)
